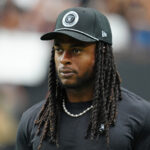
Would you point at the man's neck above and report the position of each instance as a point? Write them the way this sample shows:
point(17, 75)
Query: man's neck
point(80, 95)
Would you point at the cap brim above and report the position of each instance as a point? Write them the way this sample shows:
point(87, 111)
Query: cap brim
point(75, 35)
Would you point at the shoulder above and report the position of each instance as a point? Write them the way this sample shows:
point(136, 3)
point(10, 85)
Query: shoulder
point(134, 101)
point(33, 111)
point(26, 128)
point(135, 110)
point(28, 117)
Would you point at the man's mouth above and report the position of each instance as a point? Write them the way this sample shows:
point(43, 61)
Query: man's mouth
point(66, 72)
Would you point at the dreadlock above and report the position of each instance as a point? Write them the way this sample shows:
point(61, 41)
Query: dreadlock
point(106, 95)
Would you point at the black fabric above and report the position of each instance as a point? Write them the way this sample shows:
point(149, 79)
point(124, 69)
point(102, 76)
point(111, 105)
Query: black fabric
point(131, 132)
point(90, 26)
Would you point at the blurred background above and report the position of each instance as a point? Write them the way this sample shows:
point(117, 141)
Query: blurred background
point(24, 59)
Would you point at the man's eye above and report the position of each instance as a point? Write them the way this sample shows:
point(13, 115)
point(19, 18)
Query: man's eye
point(59, 50)
point(76, 51)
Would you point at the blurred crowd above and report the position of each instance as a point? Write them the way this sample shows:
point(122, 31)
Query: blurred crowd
point(130, 20)
point(40, 15)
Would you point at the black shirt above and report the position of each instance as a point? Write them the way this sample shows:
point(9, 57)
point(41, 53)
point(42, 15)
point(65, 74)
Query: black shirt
point(131, 131)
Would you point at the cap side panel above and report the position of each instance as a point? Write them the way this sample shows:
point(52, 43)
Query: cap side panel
point(95, 24)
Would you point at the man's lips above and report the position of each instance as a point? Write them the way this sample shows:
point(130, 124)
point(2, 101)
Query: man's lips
point(66, 72)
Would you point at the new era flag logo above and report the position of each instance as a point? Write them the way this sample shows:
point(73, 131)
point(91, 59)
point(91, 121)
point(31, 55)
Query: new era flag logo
point(104, 34)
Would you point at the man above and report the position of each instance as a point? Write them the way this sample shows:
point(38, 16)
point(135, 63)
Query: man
point(86, 108)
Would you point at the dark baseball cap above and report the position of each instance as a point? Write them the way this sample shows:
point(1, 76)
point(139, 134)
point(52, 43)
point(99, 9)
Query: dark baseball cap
point(84, 24)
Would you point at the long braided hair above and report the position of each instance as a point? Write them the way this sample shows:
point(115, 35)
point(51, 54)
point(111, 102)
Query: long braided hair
point(106, 95)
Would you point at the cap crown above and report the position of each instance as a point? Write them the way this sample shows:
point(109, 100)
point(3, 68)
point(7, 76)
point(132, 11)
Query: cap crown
point(86, 21)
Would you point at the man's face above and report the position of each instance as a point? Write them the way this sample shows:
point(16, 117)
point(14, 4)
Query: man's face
point(74, 61)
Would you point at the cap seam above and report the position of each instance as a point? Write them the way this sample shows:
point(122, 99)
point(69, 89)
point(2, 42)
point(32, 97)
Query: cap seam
point(94, 21)
point(60, 29)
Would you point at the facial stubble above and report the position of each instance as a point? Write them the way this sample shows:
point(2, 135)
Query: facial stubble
point(81, 82)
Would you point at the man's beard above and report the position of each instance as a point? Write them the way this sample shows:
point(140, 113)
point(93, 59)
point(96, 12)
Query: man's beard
point(81, 82)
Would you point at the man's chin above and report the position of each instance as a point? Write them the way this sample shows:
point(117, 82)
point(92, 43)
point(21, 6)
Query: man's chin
point(69, 85)
point(74, 86)
point(77, 83)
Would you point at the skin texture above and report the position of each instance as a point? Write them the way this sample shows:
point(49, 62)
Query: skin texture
point(74, 62)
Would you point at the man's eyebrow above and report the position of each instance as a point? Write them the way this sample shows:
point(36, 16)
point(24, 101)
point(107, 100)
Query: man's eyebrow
point(80, 44)
point(77, 45)
point(57, 44)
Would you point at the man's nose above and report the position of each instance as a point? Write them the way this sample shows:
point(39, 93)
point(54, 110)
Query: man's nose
point(66, 58)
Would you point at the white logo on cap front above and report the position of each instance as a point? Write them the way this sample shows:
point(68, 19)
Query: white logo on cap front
point(70, 19)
